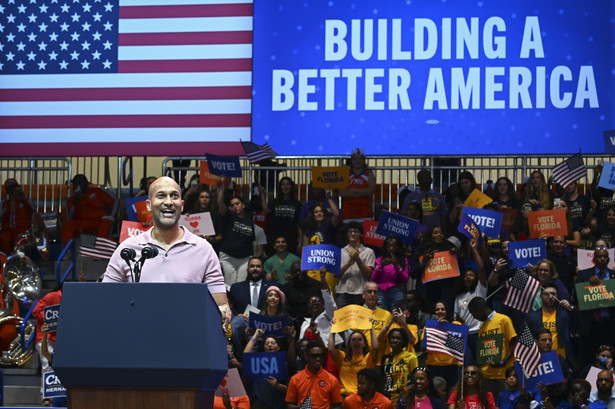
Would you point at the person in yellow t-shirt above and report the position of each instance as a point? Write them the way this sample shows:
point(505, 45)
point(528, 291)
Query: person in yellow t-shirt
point(438, 363)
point(398, 320)
point(397, 365)
point(380, 316)
point(356, 356)
point(494, 324)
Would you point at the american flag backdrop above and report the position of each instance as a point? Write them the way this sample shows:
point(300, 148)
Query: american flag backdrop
point(140, 71)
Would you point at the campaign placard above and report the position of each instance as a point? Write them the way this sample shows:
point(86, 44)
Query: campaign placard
point(609, 141)
point(51, 315)
point(259, 366)
point(489, 347)
point(131, 229)
point(592, 377)
point(271, 325)
point(53, 387)
point(549, 222)
point(331, 177)
point(549, 371)
point(370, 237)
point(488, 221)
point(351, 316)
point(321, 255)
point(596, 296)
point(585, 259)
point(442, 265)
point(400, 226)
point(223, 165)
point(136, 209)
point(477, 199)
point(607, 177)
point(469, 228)
point(198, 223)
point(524, 253)
point(232, 384)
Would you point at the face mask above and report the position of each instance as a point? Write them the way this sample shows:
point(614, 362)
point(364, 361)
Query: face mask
point(603, 361)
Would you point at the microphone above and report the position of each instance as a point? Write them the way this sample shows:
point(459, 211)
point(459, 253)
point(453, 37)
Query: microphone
point(148, 252)
point(128, 255)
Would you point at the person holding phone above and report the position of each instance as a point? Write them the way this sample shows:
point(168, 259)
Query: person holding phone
point(419, 392)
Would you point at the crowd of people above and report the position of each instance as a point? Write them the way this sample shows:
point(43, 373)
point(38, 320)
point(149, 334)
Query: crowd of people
point(259, 244)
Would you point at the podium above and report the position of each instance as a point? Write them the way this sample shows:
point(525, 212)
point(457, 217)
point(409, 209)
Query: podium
point(139, 345)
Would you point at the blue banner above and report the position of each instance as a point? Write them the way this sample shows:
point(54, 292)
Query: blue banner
point(488, 221)
point(524, 253)
point(51, 316)
point(609, 141)
point(224, 165)
point(330, 76)
point(396, 225)
point(607, 177)
point(549, 371)
point(271, 325)
point(321, 255)
point(259, 366)
point(470, 229)
point(53, 387)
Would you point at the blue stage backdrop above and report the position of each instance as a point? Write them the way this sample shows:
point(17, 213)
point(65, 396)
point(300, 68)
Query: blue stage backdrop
point(433, 76)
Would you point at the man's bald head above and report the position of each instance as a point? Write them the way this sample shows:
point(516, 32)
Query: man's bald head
point(165, 180)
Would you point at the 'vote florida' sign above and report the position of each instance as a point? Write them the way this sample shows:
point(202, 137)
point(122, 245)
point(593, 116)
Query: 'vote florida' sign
point(488, 221)
point(524, 253)
point(321, 255)
point(400, 226)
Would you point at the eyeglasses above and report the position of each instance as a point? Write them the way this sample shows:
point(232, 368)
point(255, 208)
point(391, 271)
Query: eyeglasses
point(316, 356)
point(548, 294)
point(371, 291)
point(470, 373)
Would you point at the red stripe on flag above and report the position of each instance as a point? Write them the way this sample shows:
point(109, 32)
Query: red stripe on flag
point(126, 121)
point(214, 37)
point(126, 94)
point(188, 10)
point(220, 65)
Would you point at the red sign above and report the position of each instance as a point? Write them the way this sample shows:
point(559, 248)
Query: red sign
point(442, 265)
point(370, 237)
point(131, 229)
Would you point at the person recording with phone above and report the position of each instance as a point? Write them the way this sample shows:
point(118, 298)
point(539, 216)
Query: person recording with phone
point(183, 256)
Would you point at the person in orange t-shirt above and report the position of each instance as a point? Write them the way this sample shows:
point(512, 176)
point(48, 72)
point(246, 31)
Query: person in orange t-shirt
point(90, 210)
point(314, 383)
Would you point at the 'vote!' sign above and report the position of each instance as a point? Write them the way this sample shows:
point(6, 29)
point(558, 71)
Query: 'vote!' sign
point(549, 371)
point(524, 253)
point(488, 221)
point(321, 255)
point(259, 366)
point(224, 165)
point(400, 226)
point(271, 325)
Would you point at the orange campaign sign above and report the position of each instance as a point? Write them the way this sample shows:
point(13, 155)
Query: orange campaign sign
point(508, 217)
point(131, 229)
point(143, 215)
point(331, 177)
point(549, 222)
point(442, 265)
point(208, 178)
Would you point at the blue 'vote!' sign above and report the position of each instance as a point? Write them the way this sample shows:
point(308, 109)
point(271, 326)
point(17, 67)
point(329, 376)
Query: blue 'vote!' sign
point(549, 371)
point(271, 325)
point(396, 225)
point(524, 253)
point(321, 255)
point(224, 165)
point(259, 366)
point(488, 221)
